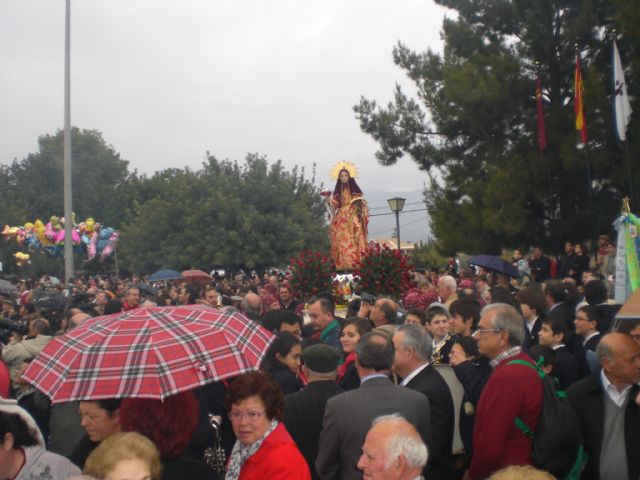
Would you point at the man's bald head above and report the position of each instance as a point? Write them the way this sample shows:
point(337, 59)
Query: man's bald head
point(251, 304)
point(619, 356)
point(76, 319)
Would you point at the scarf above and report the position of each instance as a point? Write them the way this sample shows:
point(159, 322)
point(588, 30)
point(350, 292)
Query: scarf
point(240, 454)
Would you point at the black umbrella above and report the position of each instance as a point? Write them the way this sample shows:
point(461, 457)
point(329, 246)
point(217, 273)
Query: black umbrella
point(148, 289)
point(494, 264)
point(7, 288)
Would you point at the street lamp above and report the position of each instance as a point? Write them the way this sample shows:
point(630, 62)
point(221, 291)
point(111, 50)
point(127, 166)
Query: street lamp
point(396, 205)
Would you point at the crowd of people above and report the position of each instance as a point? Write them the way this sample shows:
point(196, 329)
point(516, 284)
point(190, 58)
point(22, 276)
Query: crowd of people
point(364, 396)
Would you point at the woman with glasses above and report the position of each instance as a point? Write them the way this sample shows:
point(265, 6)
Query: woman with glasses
point(264, 448)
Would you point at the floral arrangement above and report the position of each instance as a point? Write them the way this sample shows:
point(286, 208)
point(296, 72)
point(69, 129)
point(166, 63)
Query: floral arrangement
point(420, 298)
point(383, 271)
point(310, 273)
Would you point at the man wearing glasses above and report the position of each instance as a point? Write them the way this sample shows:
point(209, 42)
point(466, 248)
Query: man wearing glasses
point(513, 390)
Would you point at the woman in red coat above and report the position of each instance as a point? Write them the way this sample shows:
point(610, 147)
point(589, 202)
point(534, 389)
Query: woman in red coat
point(264, 448)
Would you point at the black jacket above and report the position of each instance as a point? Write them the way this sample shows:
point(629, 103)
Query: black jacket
point(303, 414)
point(473, 376)
point(587, 398)
point(567, 368)
point(430, 383)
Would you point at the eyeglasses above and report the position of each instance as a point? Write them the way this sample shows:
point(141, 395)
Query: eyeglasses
point(251, 416)
point(480, 331)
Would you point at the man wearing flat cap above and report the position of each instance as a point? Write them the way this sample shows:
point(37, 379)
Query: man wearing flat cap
point(304, 410)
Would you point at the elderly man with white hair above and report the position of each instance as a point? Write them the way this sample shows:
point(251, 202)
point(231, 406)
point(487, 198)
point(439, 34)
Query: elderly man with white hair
point(392, 450)
point(447, 290)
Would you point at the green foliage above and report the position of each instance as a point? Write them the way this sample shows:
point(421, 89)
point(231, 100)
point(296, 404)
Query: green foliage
point(383, 271)
point(473, 125)
point(249, 215)
point(311, 273)
point(237, 216)
point(33, 187)
point(426, 255)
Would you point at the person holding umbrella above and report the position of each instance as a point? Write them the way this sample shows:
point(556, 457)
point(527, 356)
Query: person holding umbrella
point(100, 419)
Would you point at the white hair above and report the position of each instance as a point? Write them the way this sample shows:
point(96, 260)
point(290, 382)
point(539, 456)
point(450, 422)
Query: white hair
point(399, 443)
point(449, 282)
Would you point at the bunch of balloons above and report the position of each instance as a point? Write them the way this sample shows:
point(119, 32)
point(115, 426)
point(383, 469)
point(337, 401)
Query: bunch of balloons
point(98, 241)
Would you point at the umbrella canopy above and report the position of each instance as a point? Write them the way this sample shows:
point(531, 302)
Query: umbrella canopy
point(161, 275)
point(197, 276)
point(495, 264)
point(7, 288)
point(146, 289)
point(148, 353)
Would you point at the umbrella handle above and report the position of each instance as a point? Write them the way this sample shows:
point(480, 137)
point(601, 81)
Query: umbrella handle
point(214, 456)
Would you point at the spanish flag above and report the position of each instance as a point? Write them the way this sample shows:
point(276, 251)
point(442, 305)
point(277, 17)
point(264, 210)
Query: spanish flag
point(578, 106)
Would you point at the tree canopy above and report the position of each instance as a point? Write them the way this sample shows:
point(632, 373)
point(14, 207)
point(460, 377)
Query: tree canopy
point(472, 126)
point(253, 214)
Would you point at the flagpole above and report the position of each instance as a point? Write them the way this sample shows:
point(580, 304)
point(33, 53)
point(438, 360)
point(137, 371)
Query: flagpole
point(628, 161)
point(594, 237)
point(582, 126)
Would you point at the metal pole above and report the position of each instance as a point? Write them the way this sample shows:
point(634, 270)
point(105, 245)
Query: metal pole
point(592, 207)
point(68, 209)
point(398, 229)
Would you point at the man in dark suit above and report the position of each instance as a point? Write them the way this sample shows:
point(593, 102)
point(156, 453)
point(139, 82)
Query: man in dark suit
point(413, 349)
point(587, 320)
point(348, 416)
point(606, 404)
point(304, 410)
point(567, 367)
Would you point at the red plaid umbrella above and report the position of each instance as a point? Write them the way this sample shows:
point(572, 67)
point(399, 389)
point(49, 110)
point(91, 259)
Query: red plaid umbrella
point(148, 353)
point(196, 276)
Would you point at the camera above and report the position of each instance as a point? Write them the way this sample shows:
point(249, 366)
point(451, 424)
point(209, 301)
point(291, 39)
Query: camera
point(368, 298)
point(12, 326)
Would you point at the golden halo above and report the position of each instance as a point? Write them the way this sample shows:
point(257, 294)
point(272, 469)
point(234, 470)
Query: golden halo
point(344, 165)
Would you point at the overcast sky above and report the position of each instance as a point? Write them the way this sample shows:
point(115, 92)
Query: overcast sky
point(165, 81)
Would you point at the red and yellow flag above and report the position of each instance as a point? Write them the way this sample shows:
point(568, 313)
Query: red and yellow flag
point(542, 134)
point(578, 106)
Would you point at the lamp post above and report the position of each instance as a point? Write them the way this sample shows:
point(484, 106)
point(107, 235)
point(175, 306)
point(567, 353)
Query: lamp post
point(68, 209)
point(396, 204)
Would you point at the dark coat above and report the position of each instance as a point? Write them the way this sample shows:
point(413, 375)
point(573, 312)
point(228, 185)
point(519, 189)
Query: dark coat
point(348, 417)
point(531, 336)
point(473, 375)
point(430, 383)
point(608, 313)
point(303, 414)
point(284, 377)
point(184, 467)
point(593, 342)
point(567, 368)
point(351, 380)
point(587, 398)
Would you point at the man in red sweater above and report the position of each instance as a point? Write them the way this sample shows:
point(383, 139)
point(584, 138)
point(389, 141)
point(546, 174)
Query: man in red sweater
point(512, 391)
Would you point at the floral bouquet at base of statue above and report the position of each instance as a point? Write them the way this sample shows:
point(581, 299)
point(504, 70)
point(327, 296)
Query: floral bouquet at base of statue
point(383, 271)
point(419, 298)
point(310, 273)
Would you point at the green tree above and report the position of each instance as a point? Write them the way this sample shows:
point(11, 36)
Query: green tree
point(473, 126)
point(252, 215)
point(99, 176)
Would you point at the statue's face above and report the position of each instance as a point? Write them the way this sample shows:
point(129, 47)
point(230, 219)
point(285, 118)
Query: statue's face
point(344, 176)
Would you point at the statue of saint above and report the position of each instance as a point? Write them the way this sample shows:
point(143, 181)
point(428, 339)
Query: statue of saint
point(349, 218)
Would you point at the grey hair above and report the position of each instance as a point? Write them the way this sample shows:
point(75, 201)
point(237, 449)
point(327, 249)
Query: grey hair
point(411, 447)
point(321, 375)
point(418, 339)
point(508, 319)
